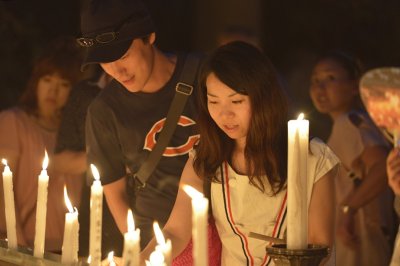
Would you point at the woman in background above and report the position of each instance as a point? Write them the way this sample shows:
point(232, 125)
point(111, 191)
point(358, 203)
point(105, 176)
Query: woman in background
point(364, 215)
point(29, 129)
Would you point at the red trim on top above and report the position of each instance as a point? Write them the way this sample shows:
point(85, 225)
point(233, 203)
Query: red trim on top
point(278, 222)
point(243, 236)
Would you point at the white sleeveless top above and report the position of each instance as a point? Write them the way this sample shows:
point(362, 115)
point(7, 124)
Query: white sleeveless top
point(239, 208)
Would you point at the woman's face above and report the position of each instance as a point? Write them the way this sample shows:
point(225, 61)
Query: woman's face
point(331, 90)
point(52, 93)
point(230, 110)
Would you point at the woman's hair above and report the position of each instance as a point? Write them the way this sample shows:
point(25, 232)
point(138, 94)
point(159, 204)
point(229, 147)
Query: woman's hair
point(63, 57)
point(246, 70)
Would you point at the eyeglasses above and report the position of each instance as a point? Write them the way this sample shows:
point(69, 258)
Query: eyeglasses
point(101, 39)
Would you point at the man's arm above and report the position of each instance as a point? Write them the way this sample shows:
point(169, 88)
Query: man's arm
point(118, 203)
point(69, 162)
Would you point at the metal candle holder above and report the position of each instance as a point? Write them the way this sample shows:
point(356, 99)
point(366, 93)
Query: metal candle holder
point(312, 256)
point(23, 256)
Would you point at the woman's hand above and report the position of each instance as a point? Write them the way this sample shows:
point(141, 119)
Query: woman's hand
point(346, 229)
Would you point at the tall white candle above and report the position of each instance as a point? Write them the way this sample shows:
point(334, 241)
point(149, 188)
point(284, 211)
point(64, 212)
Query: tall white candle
point(96, 215)
point(71, 233)
point(297, 223)
point(9, 206)
point(41, 210)
point(199, 225)
point(130, 255)
point(163, 246)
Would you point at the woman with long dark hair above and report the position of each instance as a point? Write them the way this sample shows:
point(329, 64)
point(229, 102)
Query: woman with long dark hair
point(243, 153)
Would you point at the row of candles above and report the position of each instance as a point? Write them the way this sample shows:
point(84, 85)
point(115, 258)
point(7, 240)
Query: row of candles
point(297, 222)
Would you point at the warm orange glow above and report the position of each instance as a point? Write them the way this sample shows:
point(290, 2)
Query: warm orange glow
point(192, 192)
point(45, 161)
point(158, 233)
point(131, 222)
point(4, 161)
point(67, 201)
point(95, 172)
point(300, 117)
point(89, 259)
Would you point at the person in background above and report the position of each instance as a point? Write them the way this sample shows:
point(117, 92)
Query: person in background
point(364, 216)
point(70, 159)
point(123, 121)
point(242, 154)
point(393, 171)
point(29, 129)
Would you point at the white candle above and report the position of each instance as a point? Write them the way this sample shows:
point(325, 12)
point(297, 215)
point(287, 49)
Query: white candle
point(163, 246)
point(9, 207)
point(199, 225)
point(41, 210)
point(110, 258)
point(96, 215)
point(71, 234)
point(130, 255)
point(156, 258)
point(297, 223)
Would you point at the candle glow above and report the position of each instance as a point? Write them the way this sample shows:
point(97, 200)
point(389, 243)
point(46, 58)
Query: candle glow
point(71, 233)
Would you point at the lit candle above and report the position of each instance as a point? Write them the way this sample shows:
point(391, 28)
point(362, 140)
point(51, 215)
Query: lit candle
point(41, 210)
point(9, 206)
point(110, 258)
point(71, 233)
point(96, 213)
point(163, 246)
point(156, 258)
point(130, 255)
point(297, 223)
point(199, 227)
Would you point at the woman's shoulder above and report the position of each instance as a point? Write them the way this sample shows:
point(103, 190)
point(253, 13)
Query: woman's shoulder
point(13, 114)
point(321, 158)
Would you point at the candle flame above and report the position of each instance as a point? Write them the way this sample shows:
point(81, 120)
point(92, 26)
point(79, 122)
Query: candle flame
point(131, 222)
point(300, 117)
point(45, 160)
point(67, 201)
point(159, 235)
point(192, 192)
point(95, 172)
point(4, 161)
point(89, 259)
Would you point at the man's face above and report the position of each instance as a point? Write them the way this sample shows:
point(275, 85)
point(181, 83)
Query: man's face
point(134, 69)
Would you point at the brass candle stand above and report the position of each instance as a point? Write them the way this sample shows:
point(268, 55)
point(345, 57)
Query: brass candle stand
point(23, 256)
point(312, 256)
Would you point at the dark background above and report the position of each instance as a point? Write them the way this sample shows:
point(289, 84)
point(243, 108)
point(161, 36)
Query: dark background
point(292, 33)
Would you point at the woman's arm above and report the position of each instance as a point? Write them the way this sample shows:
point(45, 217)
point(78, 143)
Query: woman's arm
point(69, 162)
point(179, 225)
point(321, 212)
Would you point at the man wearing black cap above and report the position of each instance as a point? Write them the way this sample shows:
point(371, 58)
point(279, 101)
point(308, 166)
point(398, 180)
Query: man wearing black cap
point(123, 122)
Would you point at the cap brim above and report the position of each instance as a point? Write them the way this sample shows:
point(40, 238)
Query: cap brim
point(106, 53)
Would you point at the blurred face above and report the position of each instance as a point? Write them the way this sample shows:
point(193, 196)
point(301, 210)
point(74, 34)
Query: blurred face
point(134, 69)
point(230, 110)
point(331, 90)
point(52, 93)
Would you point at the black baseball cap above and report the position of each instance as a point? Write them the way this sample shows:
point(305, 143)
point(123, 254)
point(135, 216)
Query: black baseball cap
point(109, 26)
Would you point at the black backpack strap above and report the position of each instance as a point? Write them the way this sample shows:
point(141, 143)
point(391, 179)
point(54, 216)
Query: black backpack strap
point(184, 89)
